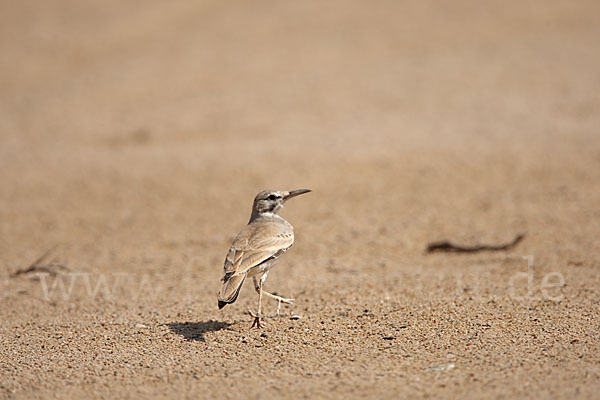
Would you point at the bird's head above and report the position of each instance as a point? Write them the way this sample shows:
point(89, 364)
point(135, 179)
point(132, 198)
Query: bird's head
point(272, 201)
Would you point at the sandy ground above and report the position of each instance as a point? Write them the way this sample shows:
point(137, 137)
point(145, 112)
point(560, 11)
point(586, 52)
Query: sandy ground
point(134, 135)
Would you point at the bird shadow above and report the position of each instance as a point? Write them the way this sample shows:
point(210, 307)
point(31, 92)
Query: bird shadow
point(194, 331)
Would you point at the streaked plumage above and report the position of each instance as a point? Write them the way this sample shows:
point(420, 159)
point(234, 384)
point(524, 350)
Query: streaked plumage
point(257, 248)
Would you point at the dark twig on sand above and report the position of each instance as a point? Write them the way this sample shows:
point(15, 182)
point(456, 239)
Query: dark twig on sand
point(449, 247)
point(40, 265)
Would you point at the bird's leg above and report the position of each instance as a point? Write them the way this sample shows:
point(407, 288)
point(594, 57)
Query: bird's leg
point(271, 295)
point(259, 311)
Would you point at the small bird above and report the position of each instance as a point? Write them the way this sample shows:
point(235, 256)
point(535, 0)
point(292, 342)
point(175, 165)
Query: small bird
point(257, 248)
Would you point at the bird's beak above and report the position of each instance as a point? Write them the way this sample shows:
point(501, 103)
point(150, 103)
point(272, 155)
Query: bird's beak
point(295, 193)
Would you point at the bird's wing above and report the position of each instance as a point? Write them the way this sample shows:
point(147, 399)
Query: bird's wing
point(256, 243)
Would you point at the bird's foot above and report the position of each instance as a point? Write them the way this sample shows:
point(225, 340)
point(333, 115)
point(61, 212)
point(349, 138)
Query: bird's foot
point(257, 322)
point(282, 300)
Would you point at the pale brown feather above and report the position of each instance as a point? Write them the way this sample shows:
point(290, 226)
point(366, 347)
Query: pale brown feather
point(259, 241)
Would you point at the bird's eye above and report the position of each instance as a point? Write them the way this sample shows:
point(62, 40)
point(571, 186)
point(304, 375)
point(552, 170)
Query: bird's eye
point(272, 197)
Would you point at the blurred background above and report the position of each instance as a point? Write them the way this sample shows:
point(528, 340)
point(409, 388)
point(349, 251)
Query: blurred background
point(135, 134)
point(143, 120)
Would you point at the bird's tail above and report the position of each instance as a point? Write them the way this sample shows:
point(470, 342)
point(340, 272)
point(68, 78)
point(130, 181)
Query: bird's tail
point(231, 289)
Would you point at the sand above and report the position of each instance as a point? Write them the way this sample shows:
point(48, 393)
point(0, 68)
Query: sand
point(134, 136)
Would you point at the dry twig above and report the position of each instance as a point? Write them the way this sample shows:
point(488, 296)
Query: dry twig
point(449, 247)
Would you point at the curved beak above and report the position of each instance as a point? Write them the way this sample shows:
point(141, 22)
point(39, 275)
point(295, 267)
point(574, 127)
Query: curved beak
point(295, 193)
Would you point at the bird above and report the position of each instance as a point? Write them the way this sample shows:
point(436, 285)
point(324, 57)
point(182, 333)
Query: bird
point(257, 249)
